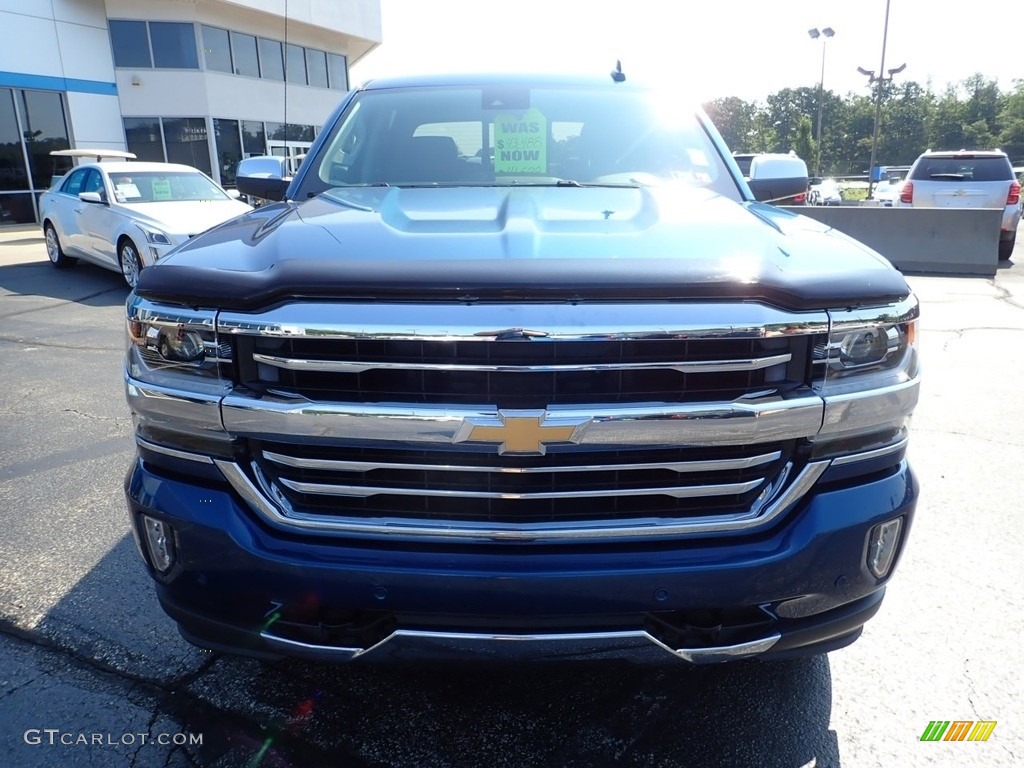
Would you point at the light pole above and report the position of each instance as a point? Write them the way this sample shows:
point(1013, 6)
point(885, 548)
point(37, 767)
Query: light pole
point(880, 79)
point(825, 34)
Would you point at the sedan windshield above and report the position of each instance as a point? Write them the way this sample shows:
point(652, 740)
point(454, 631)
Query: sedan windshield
point(161, 187)
point(520, 135)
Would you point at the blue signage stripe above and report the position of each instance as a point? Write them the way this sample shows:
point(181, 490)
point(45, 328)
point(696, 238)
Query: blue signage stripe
point(47, 83)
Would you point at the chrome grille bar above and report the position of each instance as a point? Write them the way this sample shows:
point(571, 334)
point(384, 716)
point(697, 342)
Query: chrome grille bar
point(334, 465)
point(679, 492)
point(272, 509)
point(695, 366)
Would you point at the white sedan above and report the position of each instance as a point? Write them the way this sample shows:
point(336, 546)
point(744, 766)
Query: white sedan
point(125, 216)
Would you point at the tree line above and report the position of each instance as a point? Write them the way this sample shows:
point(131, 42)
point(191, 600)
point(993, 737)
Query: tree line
point(973, 114)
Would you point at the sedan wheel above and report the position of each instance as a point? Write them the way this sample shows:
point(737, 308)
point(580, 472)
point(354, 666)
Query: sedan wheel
point(131, 264)
point(54, 251)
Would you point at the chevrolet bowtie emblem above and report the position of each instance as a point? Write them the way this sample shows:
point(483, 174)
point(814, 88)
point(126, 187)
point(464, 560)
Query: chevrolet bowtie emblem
point(521, 432)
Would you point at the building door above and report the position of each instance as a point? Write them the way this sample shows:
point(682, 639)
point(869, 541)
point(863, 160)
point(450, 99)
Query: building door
point(294, 151)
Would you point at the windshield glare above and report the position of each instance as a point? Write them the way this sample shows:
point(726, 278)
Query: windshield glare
point(515, 135)
point(159, 187)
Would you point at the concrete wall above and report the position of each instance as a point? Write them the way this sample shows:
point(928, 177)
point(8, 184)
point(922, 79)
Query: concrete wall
point(947, 241)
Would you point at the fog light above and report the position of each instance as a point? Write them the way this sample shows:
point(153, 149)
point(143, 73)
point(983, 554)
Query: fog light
point(883, 541)
point(159, 542)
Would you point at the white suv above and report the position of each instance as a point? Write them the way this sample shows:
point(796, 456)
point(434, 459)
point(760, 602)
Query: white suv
point(967, 180)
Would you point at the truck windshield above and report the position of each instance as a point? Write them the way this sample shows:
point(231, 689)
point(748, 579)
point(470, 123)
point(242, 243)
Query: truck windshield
point(515, 135)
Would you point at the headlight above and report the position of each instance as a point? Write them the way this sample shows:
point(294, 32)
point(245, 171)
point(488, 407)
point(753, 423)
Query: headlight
point(155, 236)
point(176, 347)
point(868, 350)
point(867, 372)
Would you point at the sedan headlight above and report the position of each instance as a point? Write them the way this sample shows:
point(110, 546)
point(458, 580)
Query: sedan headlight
point(155, 236)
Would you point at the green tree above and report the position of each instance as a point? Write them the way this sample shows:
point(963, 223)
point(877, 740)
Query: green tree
point(734, 119)
point(784, 111)
point(947, 127)
point(803, 141)
point(904, 135)
point(1011, 123)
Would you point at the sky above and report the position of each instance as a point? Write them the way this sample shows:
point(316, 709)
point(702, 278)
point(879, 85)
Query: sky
point(712, 49)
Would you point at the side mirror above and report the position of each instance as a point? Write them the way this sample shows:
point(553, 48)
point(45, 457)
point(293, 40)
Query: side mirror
point(774, 177)
point(92, 197)
point(264, 176)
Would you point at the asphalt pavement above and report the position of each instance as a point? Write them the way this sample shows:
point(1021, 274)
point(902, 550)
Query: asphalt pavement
point(93, 674)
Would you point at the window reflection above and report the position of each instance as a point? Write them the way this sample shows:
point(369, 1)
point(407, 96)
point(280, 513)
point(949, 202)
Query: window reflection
point(12, 160)
point(243, 48)
point(143, 134)
point(271, 60)
point(185, 139)
point(174, 44)
point(44, 130)
point(130, 43)
point(216, 49)
point(338, 67)
point(229, 149)
point(254, 138)
point(316, 67)
point(296, 59)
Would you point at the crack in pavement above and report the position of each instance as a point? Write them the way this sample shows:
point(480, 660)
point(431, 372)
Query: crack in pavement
point(52, 345)
point(1004, 295)
point(970, 690)
point(154, 716)
point(94, 417)
point(15, 689)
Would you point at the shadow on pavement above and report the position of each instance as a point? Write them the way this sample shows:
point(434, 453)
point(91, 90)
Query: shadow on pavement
point(84, 283)
point(295, 713)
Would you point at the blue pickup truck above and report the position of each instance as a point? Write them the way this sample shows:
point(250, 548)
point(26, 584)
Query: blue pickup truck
point(520, 366)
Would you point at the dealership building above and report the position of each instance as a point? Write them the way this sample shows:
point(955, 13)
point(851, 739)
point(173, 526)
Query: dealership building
point(200, 82)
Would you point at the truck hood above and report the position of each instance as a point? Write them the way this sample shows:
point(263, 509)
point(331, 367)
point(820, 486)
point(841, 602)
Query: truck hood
point(526, 243)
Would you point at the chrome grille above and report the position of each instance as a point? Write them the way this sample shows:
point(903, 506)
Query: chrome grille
point(564, 486)
point(355, 417)
point(524, 373)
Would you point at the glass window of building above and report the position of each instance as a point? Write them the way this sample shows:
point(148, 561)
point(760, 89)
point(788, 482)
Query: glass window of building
point(143, 135)
point(296, 60)
point(229, 149)
point(174, 45)
point(186, 142)
point(290, 132)
point(243, 48)
point(130, 43)
point(12, 161)
point(271, 60)
point(254, 139)
point(338, 67)
point(217, 49)
point(45, 130)
point(316, 67)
